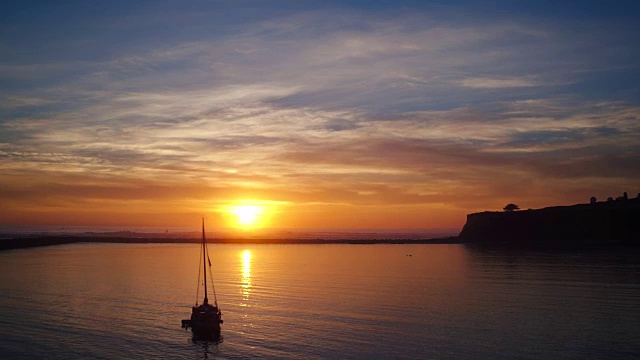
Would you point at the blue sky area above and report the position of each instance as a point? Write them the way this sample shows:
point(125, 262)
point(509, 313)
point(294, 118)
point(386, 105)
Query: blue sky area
point(315, 107)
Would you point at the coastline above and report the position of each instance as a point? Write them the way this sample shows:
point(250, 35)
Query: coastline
point(581, 226)
point(40, 241)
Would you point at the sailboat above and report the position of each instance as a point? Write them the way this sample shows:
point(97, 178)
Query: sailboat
point(206, 318)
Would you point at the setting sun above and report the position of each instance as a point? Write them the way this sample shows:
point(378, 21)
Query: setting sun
point(246, 215)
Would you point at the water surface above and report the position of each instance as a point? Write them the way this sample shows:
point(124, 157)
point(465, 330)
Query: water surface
point(108, 301)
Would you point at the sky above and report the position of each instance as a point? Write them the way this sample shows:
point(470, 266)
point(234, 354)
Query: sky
point(313, 114)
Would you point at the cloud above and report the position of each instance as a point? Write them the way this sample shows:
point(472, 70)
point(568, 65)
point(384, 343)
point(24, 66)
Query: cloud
point(360, 109)
point(22, 101)
point(488, 83)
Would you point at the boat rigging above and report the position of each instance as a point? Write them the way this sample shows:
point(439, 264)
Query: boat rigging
point(206, 318)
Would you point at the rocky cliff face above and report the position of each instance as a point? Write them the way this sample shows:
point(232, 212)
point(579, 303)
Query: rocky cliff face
point(584, 225)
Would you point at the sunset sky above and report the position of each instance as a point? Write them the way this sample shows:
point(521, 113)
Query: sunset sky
point(313, 114)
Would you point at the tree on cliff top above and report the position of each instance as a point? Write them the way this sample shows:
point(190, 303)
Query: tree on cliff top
point(511, 207)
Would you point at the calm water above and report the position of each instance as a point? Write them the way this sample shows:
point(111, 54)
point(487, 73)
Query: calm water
point(110, 301)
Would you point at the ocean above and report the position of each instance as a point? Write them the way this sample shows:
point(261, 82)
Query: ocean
point(126, 301)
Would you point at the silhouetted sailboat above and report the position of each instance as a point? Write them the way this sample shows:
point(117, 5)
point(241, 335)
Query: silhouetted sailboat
point(206, 318)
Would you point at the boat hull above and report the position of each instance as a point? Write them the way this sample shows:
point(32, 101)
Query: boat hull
point(202, 331)
point(205, 321)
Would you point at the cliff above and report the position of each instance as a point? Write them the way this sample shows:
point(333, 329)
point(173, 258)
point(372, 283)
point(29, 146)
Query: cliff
point(583, 225)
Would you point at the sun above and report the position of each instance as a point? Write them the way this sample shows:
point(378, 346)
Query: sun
point(246, 215)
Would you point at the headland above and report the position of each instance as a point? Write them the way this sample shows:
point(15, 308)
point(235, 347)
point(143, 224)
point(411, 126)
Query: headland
point(598, 224)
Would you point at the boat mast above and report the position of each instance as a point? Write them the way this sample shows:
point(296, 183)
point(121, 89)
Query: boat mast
point(204, 263)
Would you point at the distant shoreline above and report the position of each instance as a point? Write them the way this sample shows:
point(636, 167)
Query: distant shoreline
point(40, 241)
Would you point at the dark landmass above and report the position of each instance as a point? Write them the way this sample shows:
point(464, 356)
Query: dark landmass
point(582, 226)
point(601, 224)
point(27, 242)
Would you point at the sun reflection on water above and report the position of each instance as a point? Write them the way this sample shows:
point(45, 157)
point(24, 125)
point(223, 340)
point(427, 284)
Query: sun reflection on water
point(246, 276)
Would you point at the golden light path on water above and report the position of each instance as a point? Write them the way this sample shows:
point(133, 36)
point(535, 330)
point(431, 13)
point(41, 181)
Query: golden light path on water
point(246, 276)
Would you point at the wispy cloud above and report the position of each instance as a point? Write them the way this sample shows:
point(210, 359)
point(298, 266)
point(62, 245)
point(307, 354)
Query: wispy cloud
point(489, 83)
point(415, 110)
